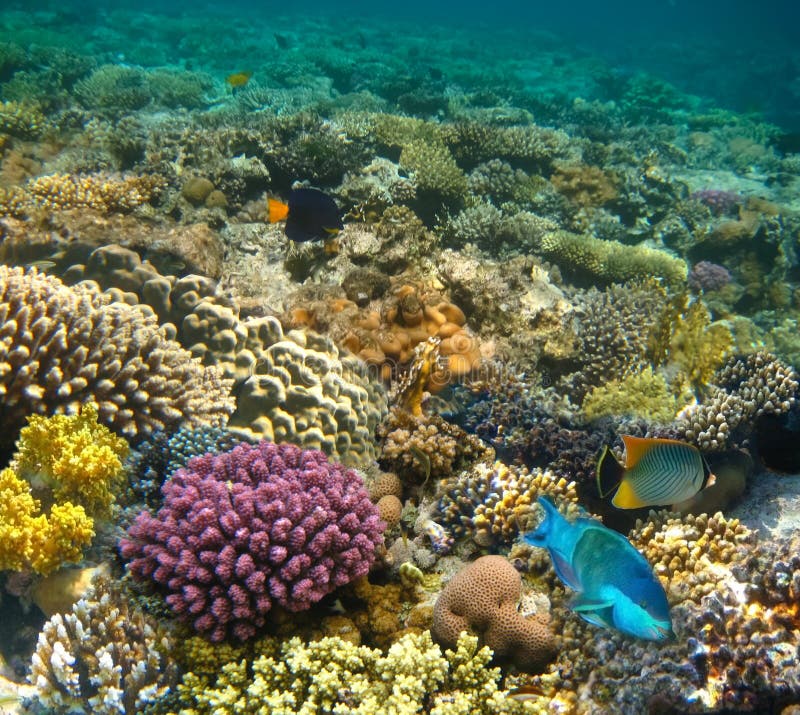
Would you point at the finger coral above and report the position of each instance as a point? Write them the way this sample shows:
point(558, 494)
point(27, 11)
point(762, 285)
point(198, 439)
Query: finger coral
point(58, 192)
point(745, 388)
point(254, 526)
point(61, 347)
point(611, 261)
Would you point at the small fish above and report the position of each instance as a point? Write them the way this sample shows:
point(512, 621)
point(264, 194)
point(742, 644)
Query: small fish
point(42, 265)
point(282, 41)
point(657, 472)
point(525, 693)
point(237, 80)
point(310, 215)
point(616, 585)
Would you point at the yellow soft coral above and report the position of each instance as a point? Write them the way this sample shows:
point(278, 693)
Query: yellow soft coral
point(75, 456)
point(33, 540)
point(639, 394)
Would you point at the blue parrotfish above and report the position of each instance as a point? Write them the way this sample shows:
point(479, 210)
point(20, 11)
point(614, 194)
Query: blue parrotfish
point(657, 472)
point(615, 585)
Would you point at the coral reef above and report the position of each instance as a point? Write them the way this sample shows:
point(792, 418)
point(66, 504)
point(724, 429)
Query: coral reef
point(611, 261)
point(105, 656)
point(332, 674)
point(745, 388)
point(643, 394)
point(254, 526)
point(494, 504)
point(482, 599)
point(419, 448)
point(62, 347)
point(162, 454)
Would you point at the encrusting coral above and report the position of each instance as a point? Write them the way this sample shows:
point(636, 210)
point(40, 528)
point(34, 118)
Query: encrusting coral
point(61, 347)
point(105, 657)
point(254, 526)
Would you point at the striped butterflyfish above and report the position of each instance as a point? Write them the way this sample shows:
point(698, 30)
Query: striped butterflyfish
point(657, 472)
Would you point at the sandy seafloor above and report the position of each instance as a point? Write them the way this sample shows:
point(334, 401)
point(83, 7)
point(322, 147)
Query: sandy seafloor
point(555, 233)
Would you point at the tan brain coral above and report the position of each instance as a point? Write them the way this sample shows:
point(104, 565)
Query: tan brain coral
point(482, 599)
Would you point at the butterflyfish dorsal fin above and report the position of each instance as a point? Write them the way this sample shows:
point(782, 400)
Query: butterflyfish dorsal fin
point(637, 447)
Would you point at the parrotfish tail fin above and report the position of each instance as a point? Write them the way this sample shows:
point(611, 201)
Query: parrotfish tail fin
point(609, 473)
point(277, 210)
point(539, 536)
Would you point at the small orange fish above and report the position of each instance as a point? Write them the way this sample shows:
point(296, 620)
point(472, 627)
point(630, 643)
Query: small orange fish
point(238, 79)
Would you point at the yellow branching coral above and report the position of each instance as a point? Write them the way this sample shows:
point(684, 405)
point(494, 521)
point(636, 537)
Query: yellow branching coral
point(332, 675)
point(75, 456)
point(639, 394)
point(21, 120)
point(33, 540)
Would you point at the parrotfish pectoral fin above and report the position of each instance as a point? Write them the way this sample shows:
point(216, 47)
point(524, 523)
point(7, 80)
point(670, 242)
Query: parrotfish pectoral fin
point(609, 472)
point(565, 571)
point(598, 613)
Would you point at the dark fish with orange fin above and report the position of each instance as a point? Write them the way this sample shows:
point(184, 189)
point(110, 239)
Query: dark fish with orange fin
point(237, 80)
point(657, 472)
point(310, 215)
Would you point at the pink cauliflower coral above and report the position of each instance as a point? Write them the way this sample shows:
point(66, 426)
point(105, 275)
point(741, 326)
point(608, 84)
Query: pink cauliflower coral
point(245, 529)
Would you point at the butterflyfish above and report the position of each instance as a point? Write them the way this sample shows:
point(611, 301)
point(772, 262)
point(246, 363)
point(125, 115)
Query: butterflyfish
point(616, 587)
point(657, 472)
point(310, 215)
point(238, 79)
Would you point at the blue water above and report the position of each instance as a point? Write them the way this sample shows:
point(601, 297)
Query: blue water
point(741, 55)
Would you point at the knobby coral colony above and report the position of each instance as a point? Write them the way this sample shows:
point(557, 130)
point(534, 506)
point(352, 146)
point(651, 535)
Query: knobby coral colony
point(185, 396)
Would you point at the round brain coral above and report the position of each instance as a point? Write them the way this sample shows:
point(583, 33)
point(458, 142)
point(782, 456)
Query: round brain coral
point(482, 598)
point(259, 525)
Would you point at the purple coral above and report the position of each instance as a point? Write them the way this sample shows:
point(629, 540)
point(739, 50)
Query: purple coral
point(721, 203)
point(255, 526)
point(707, 276)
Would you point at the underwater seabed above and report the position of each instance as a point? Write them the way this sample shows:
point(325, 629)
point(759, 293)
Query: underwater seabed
point(268, 449)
